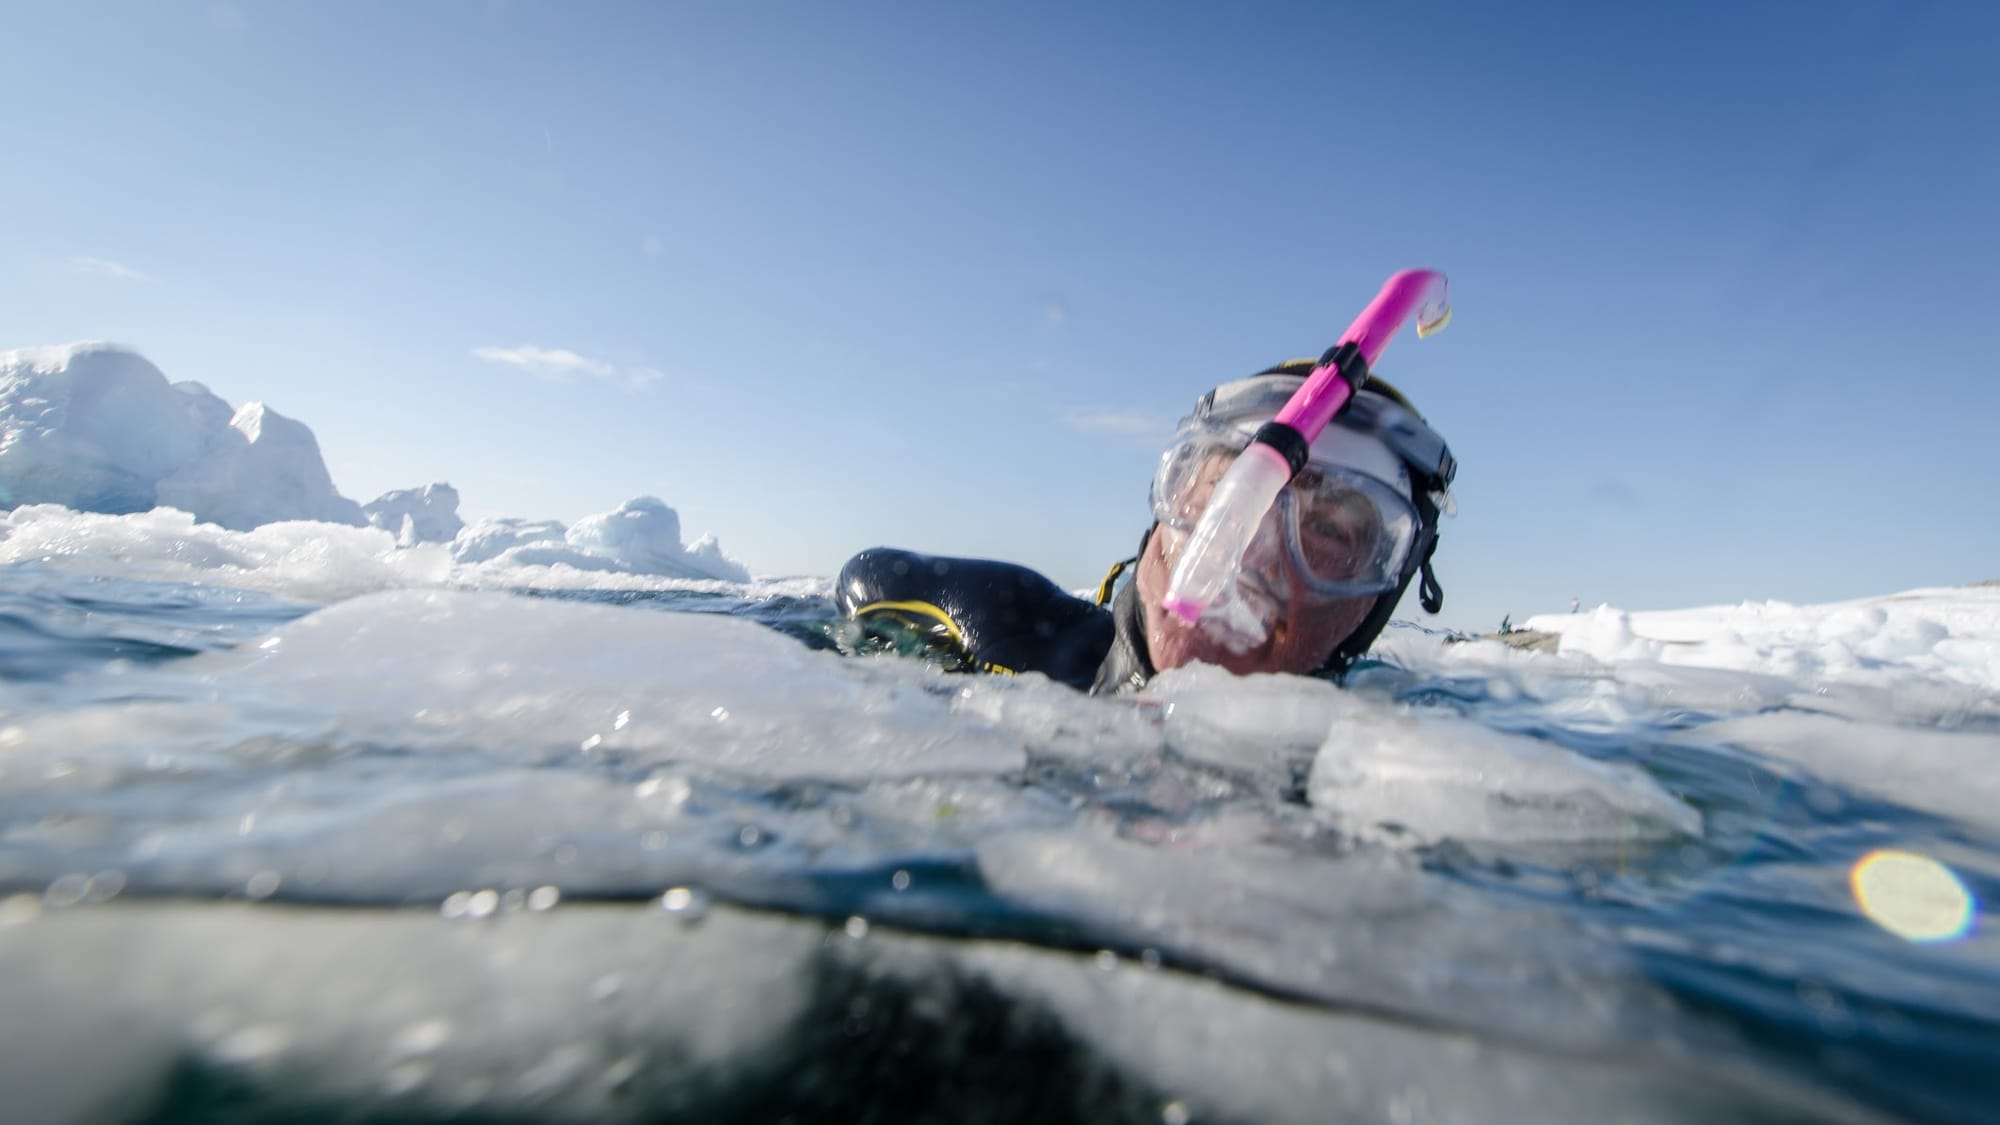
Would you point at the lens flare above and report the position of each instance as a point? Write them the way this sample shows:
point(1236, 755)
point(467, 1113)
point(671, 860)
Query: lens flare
point(1912, 896)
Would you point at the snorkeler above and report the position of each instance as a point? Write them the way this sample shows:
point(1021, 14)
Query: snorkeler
point(1326, 568)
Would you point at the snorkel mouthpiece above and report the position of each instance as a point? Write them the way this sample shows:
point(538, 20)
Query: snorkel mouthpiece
point(1209, 565)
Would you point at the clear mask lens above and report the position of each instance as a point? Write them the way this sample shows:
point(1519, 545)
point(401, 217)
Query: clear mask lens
point(1335, 532)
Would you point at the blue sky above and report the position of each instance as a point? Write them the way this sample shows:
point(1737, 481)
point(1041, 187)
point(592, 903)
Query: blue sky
point(824, 276)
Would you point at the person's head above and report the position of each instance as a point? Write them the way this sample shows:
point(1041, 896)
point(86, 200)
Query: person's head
point(1333, 555)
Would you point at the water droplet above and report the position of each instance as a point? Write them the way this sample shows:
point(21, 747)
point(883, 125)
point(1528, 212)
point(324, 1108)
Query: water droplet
point(262, 885)
point(749, 836)
point(512, 900)
point(104, 886)
point(420, 1038)
point(685, 903)
point(543, 898)
point(606, 986)
point(482, 904)
point(67, 890)
point(1150, 958)
point(1912, 896)
point(591, 743)
point(406, 1077)
point(1107, 960)
point(1174, 1113)
point(623, 720)
point(270, 643)
point(251, 1044)
point(720, 714)
point(653, 841)
point(18, 909)
point(857, 927)
point(900, 880)
point(624, 1070)
point(664, 789)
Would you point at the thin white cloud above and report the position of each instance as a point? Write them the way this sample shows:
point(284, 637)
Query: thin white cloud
point(560, 365)
point(104, 267)
point(639, 378)
point(1125, 423)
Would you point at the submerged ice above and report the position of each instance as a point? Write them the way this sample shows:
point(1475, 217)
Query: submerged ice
point(1409, 864)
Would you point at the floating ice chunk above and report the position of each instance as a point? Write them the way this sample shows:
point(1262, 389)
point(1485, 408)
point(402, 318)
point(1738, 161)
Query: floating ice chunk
point(429, 513)
point(705, 554)
point(1606, 635)
point(1952, 773)
point(1950, 635)
point(490, 538)
point(644, 535)
point(1288, 711)
point(1377, 764)
point(265, 468)
point(95, 427)
point(317, 562)
point(1446, 778)
point(526, 680)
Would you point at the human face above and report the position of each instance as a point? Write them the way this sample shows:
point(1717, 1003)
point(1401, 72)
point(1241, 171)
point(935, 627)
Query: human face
point(1302, 630)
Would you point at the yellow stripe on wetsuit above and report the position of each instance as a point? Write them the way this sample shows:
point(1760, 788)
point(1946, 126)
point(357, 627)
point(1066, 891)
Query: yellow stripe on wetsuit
point(943, 619)
point(1110, 580)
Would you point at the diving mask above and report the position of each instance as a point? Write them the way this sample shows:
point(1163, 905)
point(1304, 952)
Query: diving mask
point(1339, 528)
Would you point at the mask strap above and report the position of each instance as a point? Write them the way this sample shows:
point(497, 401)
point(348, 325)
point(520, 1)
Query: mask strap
point(1428, 591)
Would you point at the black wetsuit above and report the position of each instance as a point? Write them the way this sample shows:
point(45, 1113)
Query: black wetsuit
point(990, 616)
point(998, 617)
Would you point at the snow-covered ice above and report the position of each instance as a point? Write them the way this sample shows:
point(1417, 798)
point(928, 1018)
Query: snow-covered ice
point(97, 428)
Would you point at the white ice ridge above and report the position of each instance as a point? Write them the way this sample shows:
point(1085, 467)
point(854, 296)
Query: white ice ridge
point(1944, 634)
point(96, 428)
point(528, 681)
point(1382, 769)
point(643, 536)
point(323, 563)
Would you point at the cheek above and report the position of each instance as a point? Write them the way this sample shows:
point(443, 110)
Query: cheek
point(1150, 583)
point(1307, 645)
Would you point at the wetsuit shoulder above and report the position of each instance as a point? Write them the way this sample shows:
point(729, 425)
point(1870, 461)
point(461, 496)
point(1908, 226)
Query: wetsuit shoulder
point(996, 616)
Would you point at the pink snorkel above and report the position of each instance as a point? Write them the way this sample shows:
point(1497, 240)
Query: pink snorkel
point(1214, 553)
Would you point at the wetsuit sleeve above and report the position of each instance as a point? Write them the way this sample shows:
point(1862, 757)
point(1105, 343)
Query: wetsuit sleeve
point(988, 616)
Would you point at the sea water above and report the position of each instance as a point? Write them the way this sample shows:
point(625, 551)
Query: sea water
point(303, 827)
